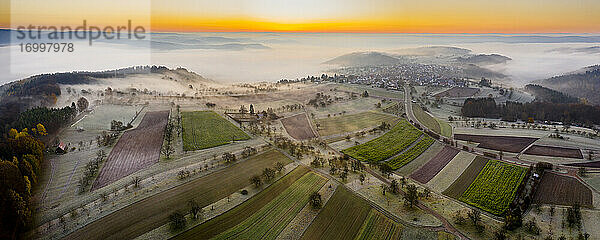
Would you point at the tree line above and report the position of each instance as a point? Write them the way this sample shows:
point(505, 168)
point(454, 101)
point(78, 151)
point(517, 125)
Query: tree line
point(21, 156)
point(51, 118)
point(569, 113)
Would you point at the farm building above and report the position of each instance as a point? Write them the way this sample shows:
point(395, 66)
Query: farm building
point(61, 148)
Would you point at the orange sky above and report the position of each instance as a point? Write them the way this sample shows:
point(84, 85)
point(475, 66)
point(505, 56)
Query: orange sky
point(418, 16)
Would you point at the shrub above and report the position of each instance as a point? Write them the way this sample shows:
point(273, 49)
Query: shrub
point(315, 200)
point(177, 221)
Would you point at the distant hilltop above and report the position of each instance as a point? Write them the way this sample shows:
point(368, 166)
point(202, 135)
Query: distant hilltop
point(44, 90)
point(583, 83)
point(433, 51)
point(364, 59)
point(484, 59)
point(423, 55)
point(463, 60)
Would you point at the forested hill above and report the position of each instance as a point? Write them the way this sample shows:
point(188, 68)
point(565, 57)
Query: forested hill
point(484, 59)
point(543, 94)
point(582, 84)
point(44, 89)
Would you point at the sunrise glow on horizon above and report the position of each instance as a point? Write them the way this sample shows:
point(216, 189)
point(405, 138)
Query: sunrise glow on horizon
point(349, 16)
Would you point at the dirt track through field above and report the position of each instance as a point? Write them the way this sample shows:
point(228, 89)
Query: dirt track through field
point(463, 182)
point(152, 212)
point(135, 150)
point(435, 165)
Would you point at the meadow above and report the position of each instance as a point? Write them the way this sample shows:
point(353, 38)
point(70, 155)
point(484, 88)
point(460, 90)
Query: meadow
point(206, 129)
point(352, 122)
point(426, 119)
point(445, 128)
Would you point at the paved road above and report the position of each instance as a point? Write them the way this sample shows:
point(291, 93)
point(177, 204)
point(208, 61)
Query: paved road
point(408, 105)
point(571, 171)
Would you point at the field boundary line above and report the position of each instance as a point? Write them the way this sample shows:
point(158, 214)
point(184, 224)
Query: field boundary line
point(70, 177)
point(587, 185)
point(45, 194)
point(75, 123)
point(137, 114)
point(310, 124)
point(529, 146)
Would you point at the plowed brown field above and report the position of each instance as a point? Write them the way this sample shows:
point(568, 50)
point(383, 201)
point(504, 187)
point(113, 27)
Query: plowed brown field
point(554, 151)
point(135, 150)
point(298, 127)
point(435, 165)
point(562, 190)
point(499, 143)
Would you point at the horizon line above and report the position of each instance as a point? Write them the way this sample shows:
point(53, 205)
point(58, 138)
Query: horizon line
point(337, 32)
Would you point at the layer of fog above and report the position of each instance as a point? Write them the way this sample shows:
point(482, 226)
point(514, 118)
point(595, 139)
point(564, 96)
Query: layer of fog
point(235, 57)
point(534, 61)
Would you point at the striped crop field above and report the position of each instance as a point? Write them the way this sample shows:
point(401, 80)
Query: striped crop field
point(377, 226)
point(271, 219)
point(412, 153)
point(495, 187)
point(401, 136)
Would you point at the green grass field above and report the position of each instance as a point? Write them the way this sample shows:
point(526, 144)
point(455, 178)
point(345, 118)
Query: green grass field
point(426, 119)
point(446, 129)
point(391, 143)
point(341, 217)
point(411, 154)
point(377, 226)
point(271, 219)
point(353, 122)
point(495, 187)
point(206, 129)
point(237, 215)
